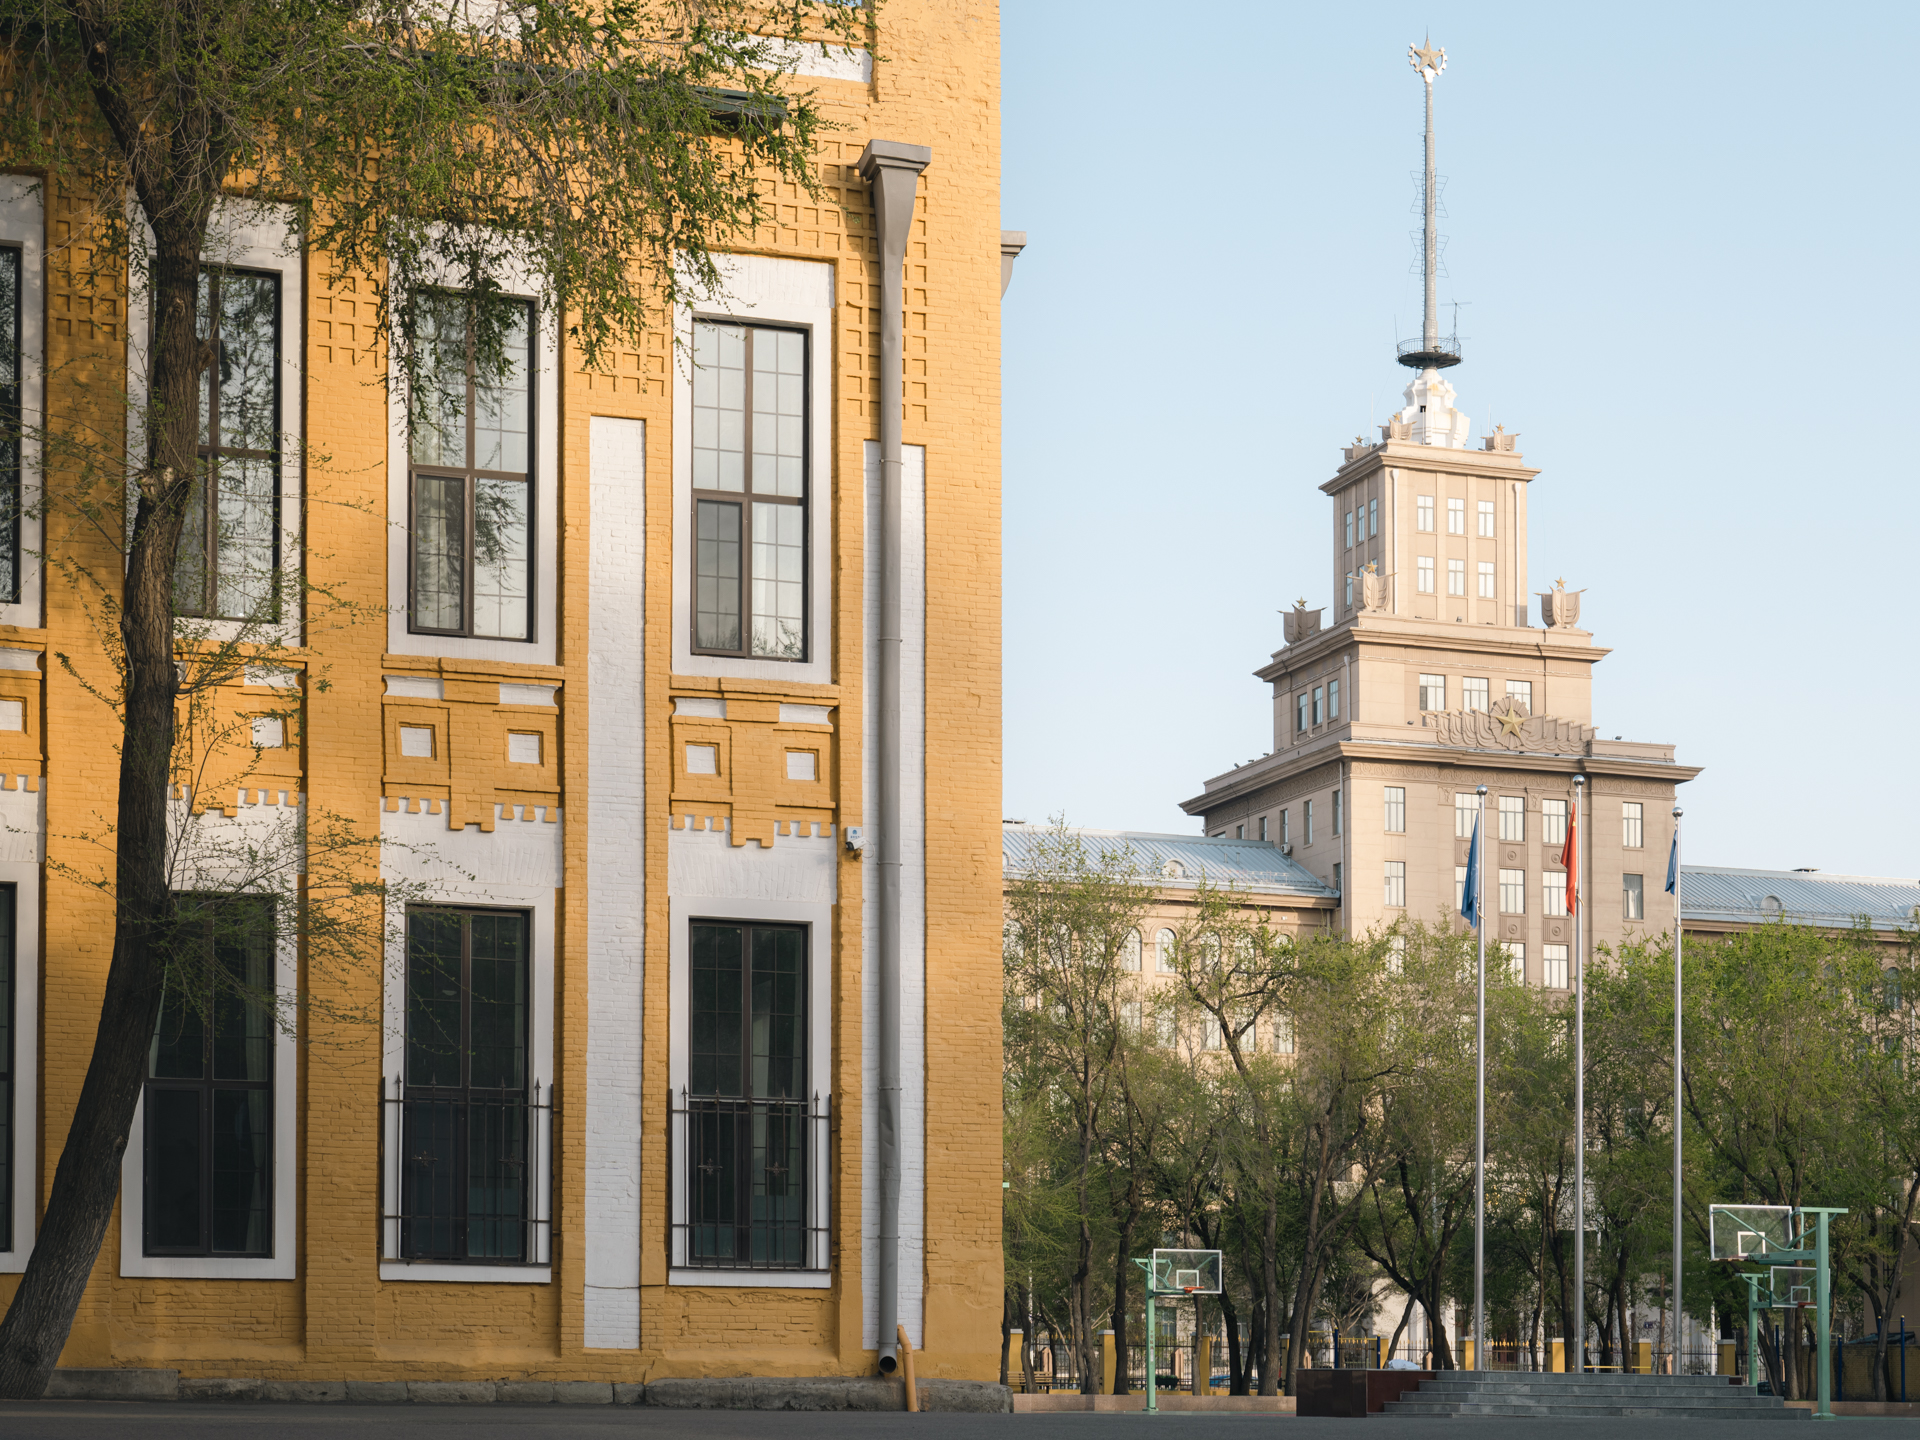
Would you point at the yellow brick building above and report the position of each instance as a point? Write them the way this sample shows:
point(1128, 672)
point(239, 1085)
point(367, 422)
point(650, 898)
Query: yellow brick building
point(624, 802)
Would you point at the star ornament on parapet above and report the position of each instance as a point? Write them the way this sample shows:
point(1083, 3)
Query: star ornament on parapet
point(1512, 721)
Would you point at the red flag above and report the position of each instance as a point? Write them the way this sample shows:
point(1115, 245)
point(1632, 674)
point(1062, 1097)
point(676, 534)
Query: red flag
point(1570, 857)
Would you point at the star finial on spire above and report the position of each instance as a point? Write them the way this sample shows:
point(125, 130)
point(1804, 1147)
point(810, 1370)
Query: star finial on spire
point(1429, 59)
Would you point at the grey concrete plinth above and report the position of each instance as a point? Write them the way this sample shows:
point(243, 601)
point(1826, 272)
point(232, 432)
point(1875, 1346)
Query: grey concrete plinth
point(113, 1385)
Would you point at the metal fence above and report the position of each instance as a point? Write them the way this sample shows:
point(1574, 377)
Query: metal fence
point(462, 1179)
point(749, 1180)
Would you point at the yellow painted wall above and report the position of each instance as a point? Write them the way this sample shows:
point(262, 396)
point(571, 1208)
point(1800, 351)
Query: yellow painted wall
point(938, 87)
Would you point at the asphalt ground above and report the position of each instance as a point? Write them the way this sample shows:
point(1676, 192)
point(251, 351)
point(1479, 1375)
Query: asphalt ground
point(65, 1419)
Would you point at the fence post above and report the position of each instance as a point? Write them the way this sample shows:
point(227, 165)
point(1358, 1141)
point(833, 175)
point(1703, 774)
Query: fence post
point(1106, 1362)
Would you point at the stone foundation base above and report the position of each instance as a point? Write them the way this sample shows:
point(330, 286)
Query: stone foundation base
point(742, 1393)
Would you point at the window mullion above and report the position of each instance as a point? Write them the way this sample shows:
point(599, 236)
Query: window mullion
point(746, 507)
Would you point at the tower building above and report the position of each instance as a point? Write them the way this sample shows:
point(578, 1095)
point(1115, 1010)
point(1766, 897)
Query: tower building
point(1431, 677)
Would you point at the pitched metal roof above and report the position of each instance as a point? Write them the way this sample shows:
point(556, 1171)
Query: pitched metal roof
point(1179, 861)
point(1805, 897)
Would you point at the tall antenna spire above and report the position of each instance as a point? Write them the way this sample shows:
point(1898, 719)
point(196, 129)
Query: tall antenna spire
point(1429, 351)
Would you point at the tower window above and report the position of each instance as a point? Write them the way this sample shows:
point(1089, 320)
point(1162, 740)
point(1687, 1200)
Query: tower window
point(1306, 822)
point(1349, 592)
point(1513, 817)
point(1486, 519)
point(1263, 829)
point(1338, 809)
point(1396, 809)
point(1456, 517)
point(1349, 529)
point(1513, 892)
point(1632, 825)
point(1423, 574)
point(1456, 577)
point(1486, 580)
point(1319, 701)
point(1333, 699)
point(1301, 718)
point(1433, 692)
point(1473, 694)
point(1423, 514)
point(1373, 517)
point(1466, 809)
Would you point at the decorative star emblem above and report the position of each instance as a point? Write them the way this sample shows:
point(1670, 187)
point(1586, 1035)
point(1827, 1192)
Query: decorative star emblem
point(1427, 57)
point(1513, 721)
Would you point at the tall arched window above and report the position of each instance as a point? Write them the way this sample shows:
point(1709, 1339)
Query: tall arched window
point(1130, 951)
point(1163, 944)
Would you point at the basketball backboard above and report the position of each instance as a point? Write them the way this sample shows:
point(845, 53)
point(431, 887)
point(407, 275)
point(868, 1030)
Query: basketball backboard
point(1738, 1231)
point(1792, 1284)
point(1184, 1272)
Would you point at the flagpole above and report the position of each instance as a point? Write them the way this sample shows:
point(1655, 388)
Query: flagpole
point(1677, 1057)
point(1579, 1087)
point(1480, 1095)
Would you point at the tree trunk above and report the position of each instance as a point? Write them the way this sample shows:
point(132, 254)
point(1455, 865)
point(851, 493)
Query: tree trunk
point(1122, 1265)
point(1236, 1366)
point(86, 1180)
point(1270, 1286)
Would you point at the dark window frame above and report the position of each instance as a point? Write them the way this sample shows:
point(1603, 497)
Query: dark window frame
point(9, 1052)
point(207, 1084)
point(462, 1098)
point(12, 415)
point(210, 452)
point(469, 476)
point(771, 1239)
point(744, 499)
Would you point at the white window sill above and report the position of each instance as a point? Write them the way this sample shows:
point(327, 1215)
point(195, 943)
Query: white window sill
point(205, 1267)
point(754, 1279)
point(470, 1274)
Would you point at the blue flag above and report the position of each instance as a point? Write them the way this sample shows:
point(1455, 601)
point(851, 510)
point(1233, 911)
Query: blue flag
point(1673, 865)
point(1470, 890)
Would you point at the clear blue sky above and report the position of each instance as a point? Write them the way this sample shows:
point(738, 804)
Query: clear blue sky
point(1683, 239)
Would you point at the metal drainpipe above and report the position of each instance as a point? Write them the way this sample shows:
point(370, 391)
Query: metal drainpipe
point(892, 170)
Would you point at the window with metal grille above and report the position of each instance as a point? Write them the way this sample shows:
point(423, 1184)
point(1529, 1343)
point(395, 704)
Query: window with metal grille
point(1396, 809)
point(750, 491)
point(468, 1132)
point(1513, 817)
point(207, 1163)
point(7, 1062)
point(749, 1143)
point(228, 558)
point(470, 566)
point(12, 372)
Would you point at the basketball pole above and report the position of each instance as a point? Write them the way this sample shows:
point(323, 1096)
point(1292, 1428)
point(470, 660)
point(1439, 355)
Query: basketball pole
point(1480, 1095)
point(1579, 1085)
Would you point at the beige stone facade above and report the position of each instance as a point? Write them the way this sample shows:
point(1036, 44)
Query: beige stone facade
point(1431, 681)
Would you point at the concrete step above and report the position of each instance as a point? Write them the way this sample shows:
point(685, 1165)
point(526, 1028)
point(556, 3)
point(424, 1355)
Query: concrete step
point(1585, 1411)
